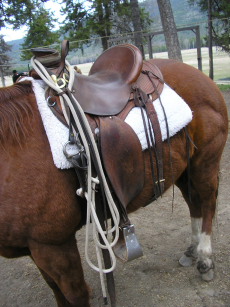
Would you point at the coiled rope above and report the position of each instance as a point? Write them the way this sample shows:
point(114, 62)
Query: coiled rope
point(97, 230)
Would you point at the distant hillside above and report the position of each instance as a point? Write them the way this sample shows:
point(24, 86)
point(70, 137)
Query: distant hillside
point(14, 54)
point(184, 14)
point(16, 44)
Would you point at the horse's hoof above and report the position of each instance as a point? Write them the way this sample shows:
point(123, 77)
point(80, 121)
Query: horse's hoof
point(186, 261)
point(206, 269)
point(208, 276)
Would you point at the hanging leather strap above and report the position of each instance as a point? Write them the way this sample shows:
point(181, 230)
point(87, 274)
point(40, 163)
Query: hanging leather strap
point(152, 115)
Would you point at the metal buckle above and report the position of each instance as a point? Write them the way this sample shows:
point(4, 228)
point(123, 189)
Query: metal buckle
point(127, 247)
point(60, 82)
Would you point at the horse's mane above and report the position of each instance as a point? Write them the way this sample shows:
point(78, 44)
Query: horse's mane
point(15, 109)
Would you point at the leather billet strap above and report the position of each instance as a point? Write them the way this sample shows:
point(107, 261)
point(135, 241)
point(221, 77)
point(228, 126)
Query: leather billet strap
point(152, 115)
point(54, 104)
point(158, 87)
point(142, 100)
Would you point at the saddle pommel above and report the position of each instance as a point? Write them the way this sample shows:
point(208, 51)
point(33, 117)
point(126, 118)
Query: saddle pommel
point(47, 56)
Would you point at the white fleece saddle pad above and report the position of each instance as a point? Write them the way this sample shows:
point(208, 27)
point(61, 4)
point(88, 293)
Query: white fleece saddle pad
point(177, 111)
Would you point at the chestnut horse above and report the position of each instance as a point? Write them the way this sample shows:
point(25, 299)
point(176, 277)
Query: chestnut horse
point(39, 209)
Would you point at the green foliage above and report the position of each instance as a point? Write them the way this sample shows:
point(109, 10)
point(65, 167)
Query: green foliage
point(18, 12)
point(32, 14)
point(4, 58)
point(101, 18)
point(221, 21)
point(75, 26)
point(39, 33)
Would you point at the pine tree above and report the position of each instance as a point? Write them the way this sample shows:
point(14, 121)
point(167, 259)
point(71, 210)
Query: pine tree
point(17, 12)
point(4, 58)
point(101, 18)
point(220, 21)
point(39, 33)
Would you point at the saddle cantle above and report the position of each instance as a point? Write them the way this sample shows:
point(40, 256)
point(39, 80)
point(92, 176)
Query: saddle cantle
point(124, 59)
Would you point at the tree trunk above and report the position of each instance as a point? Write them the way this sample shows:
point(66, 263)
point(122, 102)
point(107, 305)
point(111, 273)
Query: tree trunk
point(211, 75)
point(102, 31)
point(2, 77)
point(136, 20)
point(170, 31)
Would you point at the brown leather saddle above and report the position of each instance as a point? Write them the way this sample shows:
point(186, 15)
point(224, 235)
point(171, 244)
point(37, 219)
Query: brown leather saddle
point(106, 90)
point(105, 94)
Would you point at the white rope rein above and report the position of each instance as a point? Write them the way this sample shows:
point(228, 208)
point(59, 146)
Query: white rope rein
point(97, 230)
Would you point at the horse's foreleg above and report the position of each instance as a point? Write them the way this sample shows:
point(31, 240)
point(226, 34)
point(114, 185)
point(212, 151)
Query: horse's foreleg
point(61, 267)
point(61, 300)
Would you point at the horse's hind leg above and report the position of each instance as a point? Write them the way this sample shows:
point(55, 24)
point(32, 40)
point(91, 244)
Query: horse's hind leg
point(202, 205)
point(61, 267)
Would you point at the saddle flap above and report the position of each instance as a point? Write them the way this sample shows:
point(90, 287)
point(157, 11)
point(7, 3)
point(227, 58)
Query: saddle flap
point(122, 158)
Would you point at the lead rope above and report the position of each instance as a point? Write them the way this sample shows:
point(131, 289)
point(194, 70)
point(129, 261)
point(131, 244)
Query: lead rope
point(79, 118)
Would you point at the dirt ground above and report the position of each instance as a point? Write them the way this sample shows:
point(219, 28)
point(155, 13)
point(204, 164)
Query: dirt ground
point(156, 279)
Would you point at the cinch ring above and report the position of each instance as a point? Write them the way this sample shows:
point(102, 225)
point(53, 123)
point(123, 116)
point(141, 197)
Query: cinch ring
point(68, 156)
point(51, 104)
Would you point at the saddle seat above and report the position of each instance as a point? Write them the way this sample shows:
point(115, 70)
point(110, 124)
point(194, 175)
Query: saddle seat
point(106, 90)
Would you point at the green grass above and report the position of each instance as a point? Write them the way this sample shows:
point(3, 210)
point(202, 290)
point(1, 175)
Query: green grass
point(221, 61)
point(224, 87)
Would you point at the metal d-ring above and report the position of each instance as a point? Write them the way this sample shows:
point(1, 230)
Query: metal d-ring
point(69, 156)
point(51, 104)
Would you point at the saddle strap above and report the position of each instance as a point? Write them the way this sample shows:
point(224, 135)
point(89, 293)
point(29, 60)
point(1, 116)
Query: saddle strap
point(142, 100)
point(158, 144)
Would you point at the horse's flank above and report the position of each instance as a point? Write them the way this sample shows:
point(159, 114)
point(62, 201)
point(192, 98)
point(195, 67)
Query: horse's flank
point(15, 112)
